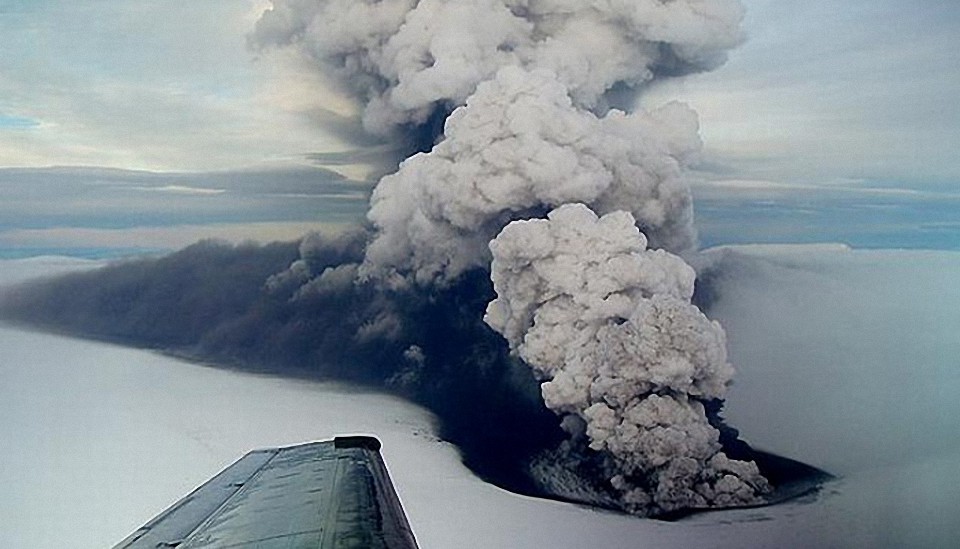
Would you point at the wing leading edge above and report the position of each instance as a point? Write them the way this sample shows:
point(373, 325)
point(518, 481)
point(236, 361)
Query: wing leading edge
point(322, 495)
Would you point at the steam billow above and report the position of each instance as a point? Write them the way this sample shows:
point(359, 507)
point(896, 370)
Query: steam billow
point(523, 271)
point(580, 207)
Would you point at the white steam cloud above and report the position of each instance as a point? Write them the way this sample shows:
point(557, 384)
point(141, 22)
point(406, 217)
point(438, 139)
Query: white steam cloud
point(604, 321)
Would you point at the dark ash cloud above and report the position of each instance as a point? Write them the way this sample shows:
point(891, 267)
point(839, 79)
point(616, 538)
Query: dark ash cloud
point(211, 302)
point(295, 309)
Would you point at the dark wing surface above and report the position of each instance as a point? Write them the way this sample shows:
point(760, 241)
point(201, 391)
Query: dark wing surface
point(322, 495)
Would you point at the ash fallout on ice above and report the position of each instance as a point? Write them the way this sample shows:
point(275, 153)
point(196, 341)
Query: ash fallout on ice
point(522, 275)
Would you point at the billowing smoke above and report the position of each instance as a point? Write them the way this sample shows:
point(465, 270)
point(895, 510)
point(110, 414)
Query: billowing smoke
point(407, 59)
point(518, 148)
point(537, 195)
point(605, 323)
point(538, 79)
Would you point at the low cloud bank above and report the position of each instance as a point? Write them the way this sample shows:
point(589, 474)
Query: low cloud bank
point(846, 359)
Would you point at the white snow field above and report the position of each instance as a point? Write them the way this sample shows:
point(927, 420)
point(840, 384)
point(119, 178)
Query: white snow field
point(847, 360)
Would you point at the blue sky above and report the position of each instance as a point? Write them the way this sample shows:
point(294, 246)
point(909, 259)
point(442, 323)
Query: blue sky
point(822, 91)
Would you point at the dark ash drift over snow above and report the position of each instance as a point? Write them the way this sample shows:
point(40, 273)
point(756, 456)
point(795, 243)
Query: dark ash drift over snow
point(580, 207)
point(240, 306)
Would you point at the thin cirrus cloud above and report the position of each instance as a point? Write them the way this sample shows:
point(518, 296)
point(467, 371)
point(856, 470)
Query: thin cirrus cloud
point(149, 84)
point(159, 238)
point(828, 90)
point(179, 189)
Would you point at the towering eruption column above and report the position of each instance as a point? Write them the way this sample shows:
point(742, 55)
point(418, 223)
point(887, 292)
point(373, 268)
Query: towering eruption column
point(579, 206)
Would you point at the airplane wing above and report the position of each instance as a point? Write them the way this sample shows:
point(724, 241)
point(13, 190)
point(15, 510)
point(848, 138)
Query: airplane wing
point(322, 495)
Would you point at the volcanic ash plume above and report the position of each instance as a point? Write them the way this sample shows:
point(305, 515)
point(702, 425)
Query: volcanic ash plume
point(525, 91)
point(608, 327)
point(518, 148)
point(407, 59)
